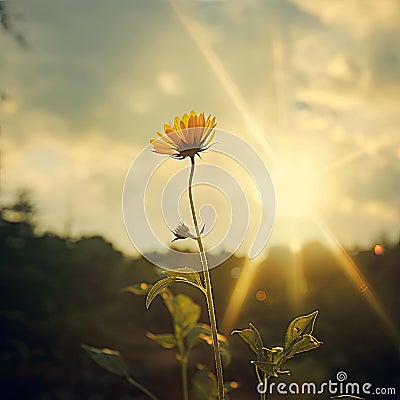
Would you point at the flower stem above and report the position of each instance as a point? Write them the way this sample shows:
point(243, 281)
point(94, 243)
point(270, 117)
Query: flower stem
point(264, 395)
point(141, 388)
point(209, 294)
point(184, 364)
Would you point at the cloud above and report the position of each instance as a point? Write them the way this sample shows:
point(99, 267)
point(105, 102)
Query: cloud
point(170, 83)
point(359, 17)
point(9, 106)
point(141, 102)
point(376, 183)
point(377, 218)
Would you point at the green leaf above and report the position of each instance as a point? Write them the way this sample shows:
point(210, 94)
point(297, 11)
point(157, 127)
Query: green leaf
point(140, 289)
point(157, 288)
point(185, 313)
point(197, 333)
point(266, 367)
point(204, 385)
point(225, 353)
point(110, 360)
point(306, 343)
point(273, 355)
point(252, 337)
point(298, 327)
point(187, 275)
point(166, 340)
point(202, 332)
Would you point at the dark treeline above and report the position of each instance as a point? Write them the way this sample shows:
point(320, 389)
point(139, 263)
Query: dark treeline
point(57, 293)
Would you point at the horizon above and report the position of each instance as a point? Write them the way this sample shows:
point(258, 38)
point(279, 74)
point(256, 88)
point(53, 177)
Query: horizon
point(384, 243)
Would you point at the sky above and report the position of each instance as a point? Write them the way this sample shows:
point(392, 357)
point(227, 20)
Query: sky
point(313, 86)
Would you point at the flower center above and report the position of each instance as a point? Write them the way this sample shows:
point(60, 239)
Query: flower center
point(190, 152)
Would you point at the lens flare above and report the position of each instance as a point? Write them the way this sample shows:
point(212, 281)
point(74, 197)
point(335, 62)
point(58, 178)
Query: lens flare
point(261, 295)
point(379, 249)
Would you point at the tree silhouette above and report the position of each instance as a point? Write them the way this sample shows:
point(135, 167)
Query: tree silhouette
point(22, 210)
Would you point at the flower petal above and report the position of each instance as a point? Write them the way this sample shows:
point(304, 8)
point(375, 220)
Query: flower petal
point(177, 125)
point(201, 121)
point(162, 148)
point(176, 138)
point(209, 139)
point(191, 121)
point(167, 128)
point(189, 135)
point(164, 137)
point(208, 135)
point(198, 133)
point(160, 142)
point(185, 119)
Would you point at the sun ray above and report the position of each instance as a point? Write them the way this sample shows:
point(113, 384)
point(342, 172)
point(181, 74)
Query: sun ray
point(340, 162)
point(198, 37)
point(359, 280)
point(279, 80)
point(356, 154)
point(239, 294)
point(295, 280)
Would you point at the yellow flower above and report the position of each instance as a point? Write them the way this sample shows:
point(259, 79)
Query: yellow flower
point(189, 136)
